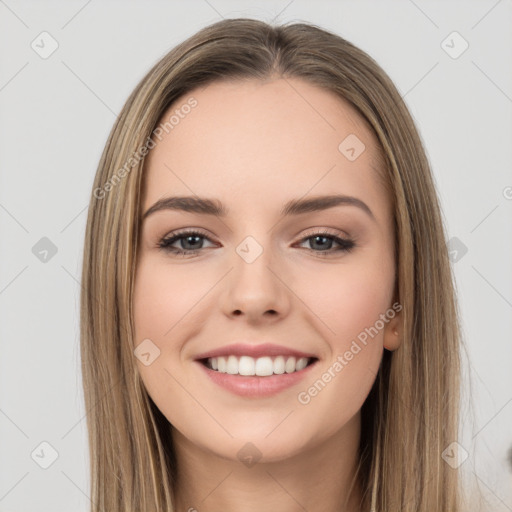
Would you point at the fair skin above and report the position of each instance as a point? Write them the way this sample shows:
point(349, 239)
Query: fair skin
point(254, 146)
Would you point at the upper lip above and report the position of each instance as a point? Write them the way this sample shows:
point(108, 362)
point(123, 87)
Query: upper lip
point(252, 350)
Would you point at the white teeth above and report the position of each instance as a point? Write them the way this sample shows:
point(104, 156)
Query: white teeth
point(246, 365)
point(232, 365)
point(302, 363)
point(289, 367)
point(262, 366)
point(279, 365)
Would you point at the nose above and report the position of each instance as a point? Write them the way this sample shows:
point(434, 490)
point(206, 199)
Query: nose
point(256, 289)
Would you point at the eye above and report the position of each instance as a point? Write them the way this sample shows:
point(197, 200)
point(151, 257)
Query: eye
point(189, 240)
point(324, 241)
point(190, 243)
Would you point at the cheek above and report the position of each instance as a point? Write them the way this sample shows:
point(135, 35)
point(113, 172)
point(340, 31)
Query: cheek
point(162, 307)
point(162, 304)
point(161, 301)
point(349, 316)
point(347, 299)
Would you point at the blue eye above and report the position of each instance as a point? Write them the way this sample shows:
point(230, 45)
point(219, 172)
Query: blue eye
point(323, 239)
point(191, 238)
point(190, 243)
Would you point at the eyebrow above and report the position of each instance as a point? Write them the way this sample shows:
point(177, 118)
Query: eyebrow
point(206, 206)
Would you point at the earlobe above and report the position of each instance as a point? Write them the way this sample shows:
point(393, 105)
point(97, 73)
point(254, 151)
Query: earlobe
point(393, 333)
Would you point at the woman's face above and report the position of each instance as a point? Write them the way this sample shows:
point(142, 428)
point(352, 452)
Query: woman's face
point(255, 275)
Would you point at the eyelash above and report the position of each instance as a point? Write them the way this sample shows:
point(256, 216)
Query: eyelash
point(346, 244)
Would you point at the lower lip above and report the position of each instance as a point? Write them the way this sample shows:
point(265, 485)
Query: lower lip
point(254, 386)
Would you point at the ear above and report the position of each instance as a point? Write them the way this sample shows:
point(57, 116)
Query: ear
point(393, 331)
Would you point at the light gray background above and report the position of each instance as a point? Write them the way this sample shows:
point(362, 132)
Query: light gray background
point(55, 117)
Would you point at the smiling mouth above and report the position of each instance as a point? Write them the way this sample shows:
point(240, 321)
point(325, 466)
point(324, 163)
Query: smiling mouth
point(259, 367)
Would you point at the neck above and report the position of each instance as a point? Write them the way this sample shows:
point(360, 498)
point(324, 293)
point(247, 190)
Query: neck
point(321, 478)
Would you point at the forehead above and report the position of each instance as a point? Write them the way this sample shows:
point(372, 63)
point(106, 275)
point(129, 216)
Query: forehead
point(254, 140)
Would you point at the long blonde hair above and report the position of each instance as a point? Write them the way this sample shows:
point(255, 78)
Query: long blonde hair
point(411, 414)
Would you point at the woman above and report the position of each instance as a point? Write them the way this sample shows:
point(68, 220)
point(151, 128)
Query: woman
point(268, 314)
